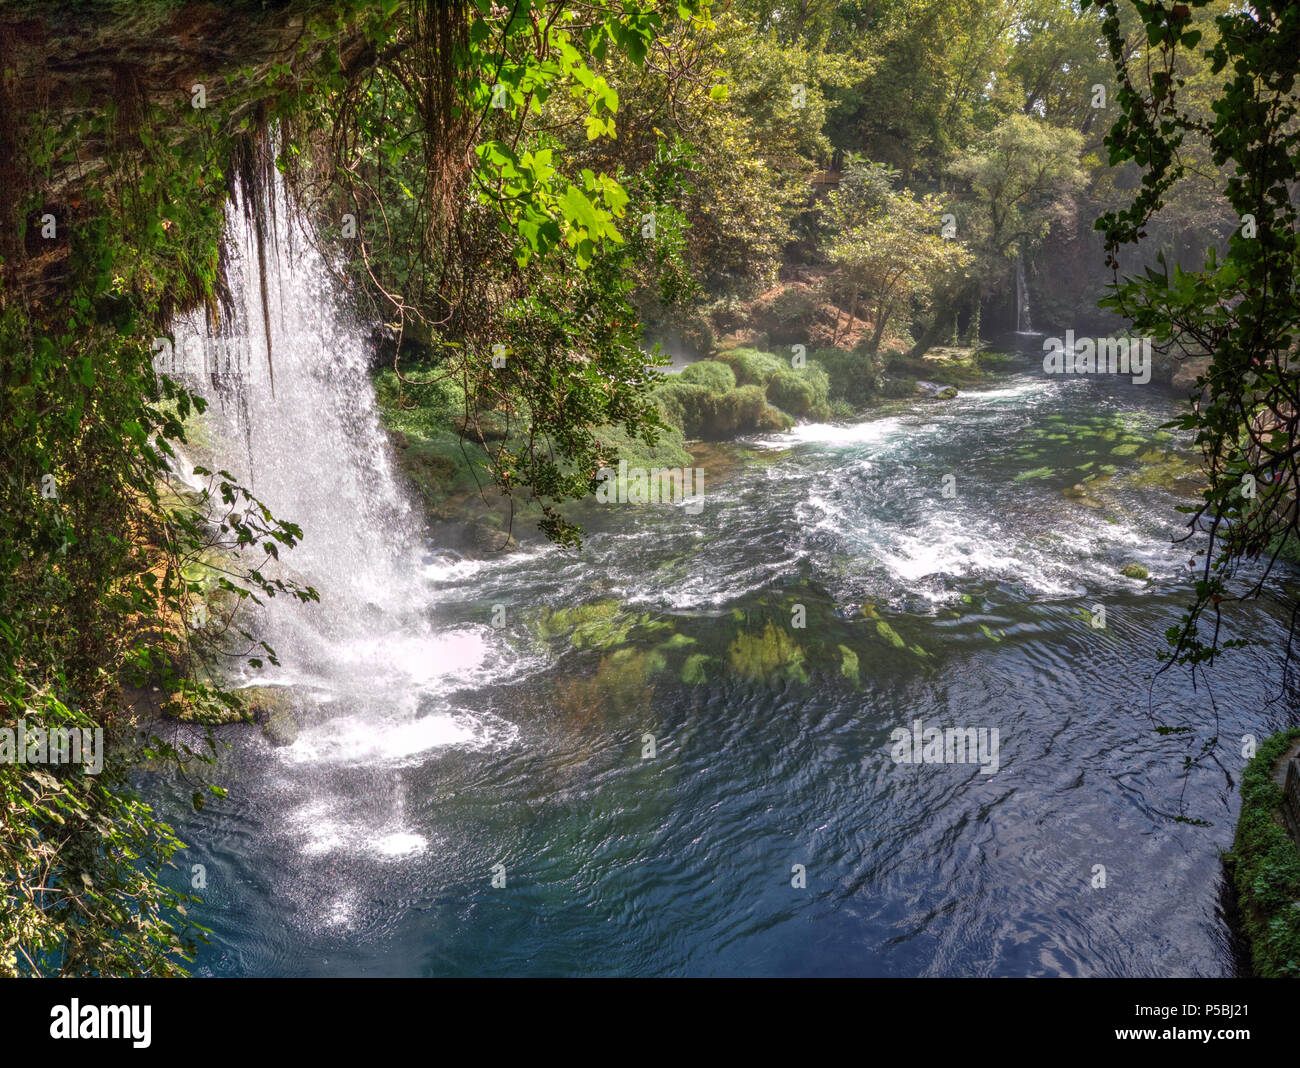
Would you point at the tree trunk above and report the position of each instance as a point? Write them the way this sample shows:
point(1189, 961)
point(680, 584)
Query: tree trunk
point(933, 334)
point(973, 333)
point(876, 335)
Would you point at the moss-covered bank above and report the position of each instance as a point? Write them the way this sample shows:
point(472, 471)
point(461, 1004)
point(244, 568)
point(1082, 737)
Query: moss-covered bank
point(1265, 864)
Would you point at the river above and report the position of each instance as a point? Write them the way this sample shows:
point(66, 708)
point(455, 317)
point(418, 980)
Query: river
point(449, 754)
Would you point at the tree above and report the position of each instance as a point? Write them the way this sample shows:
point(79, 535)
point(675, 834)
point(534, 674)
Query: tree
point(1240, 306)
point(891, 252)
point(1022, 178)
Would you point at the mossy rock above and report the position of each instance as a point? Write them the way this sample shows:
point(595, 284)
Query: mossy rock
point(714, 375)
point(480, 539)
point(802, 393)
point(280, 728)
point(753, 367)
point(272, 709)
point(669, 450)
point(896, 388)
point(1134, 571)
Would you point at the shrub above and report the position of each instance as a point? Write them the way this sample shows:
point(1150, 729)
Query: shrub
point(753, 367)
point(419, 408)
point(667, 451)
point(795, 305)
point(801, 393)
point(682, 403)
point(702, 414)
point(855, 377)
point(713, 375)
point(738, 410)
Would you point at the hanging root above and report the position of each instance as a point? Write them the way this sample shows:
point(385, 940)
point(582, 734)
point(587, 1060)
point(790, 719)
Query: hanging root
point(442, 37)
point(253, 172)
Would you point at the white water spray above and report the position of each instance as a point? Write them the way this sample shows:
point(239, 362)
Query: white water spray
point(314, 451)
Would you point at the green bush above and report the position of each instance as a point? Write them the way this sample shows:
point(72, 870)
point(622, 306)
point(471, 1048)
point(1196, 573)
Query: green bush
point(802, 393)
point(737, 411)
point(713, 375)
point(418, 409)
point(753, 367)
point(795, 306)
point(855, 377)
point(898, 387)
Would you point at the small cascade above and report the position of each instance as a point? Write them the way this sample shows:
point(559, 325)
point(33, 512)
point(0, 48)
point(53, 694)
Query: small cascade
point(1024, 321)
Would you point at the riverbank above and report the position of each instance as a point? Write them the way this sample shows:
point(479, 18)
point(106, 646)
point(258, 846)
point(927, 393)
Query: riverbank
point(738, 391)
point(1264, 863)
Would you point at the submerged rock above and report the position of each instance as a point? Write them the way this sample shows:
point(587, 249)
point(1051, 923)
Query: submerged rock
point(481, 539)
point(280, 728)
point(272, 710)
point(936, 390)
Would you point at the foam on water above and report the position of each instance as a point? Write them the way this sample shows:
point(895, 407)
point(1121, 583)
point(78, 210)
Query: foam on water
point(364, 739)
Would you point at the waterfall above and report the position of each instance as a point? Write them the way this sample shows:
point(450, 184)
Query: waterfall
point(1024, 323)
point(313, 449)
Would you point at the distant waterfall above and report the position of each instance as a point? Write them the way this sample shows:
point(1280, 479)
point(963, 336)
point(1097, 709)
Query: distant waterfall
point(1024, 322)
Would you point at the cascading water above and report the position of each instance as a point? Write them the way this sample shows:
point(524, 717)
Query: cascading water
point(1024, 323)
point(299, 426)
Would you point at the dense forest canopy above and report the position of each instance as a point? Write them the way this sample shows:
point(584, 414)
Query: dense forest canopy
point(524, 198)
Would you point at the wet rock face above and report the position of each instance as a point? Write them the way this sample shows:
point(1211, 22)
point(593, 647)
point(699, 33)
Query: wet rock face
point(273, 709)
point(66, 65)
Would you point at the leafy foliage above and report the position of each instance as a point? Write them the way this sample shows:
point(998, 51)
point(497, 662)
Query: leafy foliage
point(1239, 308)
